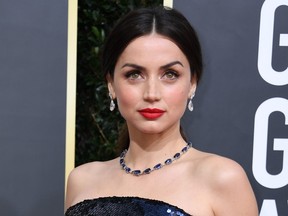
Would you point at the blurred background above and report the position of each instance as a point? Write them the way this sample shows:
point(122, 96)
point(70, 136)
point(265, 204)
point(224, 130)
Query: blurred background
point(96, 127)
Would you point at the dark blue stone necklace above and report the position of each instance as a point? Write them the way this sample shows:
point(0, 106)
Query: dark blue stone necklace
point(156, 167)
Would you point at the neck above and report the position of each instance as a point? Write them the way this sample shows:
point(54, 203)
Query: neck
point(157, 166)
point(147, 149)
point(150, 140)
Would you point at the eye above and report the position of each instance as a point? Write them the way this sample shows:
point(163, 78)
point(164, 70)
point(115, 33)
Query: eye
point(170, 75)
point(133, 75)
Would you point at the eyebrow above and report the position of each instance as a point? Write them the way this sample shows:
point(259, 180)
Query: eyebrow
point(163, 67)
point(171, 64)
point(138, 67)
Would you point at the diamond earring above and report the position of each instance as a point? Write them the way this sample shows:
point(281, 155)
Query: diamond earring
point(112, 104)
point(190, 103)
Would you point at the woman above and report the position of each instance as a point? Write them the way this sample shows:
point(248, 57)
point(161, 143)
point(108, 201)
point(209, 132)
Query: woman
point(152, 60)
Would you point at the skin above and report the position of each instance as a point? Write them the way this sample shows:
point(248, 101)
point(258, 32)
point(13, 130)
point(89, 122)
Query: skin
point(152, 72)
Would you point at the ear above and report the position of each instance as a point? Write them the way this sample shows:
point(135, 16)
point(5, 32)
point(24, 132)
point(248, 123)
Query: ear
point(193, 86)
point(110, 85)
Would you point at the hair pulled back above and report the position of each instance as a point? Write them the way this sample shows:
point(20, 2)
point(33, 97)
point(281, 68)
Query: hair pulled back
point(161, 20)
point(140, 22)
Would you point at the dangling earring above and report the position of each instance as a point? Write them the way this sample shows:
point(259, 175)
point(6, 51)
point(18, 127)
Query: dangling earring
point(190, 103)
point(112, 104)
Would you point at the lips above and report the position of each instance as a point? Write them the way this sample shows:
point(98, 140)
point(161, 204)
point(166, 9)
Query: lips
point(153, 113)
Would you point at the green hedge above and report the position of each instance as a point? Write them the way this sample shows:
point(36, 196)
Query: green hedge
point(96, 127)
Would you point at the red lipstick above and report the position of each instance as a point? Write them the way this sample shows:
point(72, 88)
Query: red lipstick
point(153, 113)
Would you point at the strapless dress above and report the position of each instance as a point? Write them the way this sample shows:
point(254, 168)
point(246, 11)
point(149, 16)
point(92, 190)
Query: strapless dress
point(128, 206)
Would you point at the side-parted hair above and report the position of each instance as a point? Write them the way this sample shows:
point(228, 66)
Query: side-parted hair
point(140, 22)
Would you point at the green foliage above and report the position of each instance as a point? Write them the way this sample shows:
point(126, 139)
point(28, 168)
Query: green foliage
point(97, 128)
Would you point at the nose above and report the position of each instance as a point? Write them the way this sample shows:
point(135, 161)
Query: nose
point(152, 90)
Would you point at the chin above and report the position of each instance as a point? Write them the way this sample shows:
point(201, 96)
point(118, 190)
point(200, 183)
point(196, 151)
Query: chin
point(152, 130)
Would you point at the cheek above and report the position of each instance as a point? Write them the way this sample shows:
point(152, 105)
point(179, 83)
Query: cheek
point(178, 102)
point(177, 96)
point(126, 96)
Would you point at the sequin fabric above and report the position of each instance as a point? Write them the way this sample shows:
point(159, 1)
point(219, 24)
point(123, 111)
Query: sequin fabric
point(128, 206)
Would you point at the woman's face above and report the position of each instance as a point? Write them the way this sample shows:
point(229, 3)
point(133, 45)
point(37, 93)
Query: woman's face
point(152, 82)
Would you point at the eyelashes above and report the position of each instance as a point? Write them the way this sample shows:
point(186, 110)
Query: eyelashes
point(133, 75)
point(169, 75)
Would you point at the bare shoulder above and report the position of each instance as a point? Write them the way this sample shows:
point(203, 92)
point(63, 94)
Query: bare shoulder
point(218, 168)
point(86, 170)
point(221, 170)
point(230, 190)
point(82, 178)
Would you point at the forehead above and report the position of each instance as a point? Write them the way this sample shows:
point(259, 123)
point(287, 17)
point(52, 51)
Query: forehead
point(151, 48)
point(150, 41)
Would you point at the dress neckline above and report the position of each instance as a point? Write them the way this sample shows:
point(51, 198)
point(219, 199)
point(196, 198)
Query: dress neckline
point(129, 198)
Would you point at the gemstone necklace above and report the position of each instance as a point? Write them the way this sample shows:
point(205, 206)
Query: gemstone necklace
point(156, 167)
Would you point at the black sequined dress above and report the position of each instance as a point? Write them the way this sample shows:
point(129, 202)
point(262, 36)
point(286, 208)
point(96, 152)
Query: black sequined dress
point(128, 206)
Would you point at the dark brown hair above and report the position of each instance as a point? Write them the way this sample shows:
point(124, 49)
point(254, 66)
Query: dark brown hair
point(164, 21)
